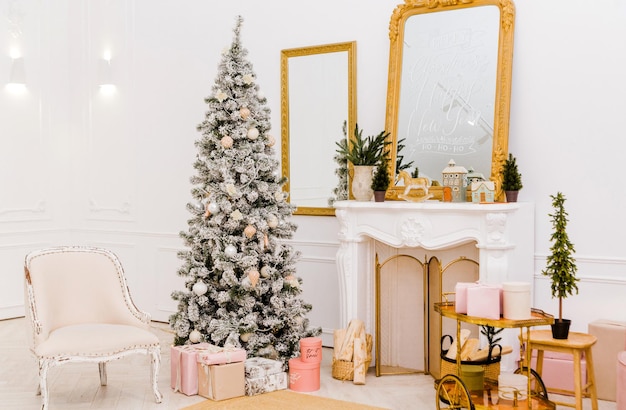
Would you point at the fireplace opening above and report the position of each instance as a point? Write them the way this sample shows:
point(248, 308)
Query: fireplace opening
point(408, 330)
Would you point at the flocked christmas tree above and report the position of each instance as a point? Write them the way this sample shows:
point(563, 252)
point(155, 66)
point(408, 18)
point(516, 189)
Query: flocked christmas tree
point(241, 283)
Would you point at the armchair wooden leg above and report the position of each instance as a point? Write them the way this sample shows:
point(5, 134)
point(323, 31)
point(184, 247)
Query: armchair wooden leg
point(42, 389)
point(102, 367)
point(155, 354)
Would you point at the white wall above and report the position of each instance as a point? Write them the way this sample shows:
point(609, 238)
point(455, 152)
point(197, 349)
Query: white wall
point(113, 170)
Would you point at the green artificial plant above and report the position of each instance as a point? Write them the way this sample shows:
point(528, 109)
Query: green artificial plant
point(381, 179)
point(364, 151)
point(511, 177)
point(561, 265)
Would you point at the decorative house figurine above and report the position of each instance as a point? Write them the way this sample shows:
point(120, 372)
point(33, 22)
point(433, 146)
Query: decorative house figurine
point(473, 176)
point(483, 191)
point(455, 177)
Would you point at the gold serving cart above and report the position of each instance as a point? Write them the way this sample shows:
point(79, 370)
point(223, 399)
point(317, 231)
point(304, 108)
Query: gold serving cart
point(452, 392)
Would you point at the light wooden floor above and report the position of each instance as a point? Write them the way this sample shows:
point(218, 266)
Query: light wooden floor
point(77, 386)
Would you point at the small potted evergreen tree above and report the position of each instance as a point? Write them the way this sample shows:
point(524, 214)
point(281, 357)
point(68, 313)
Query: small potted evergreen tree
point(561, 265)
point(511, 179)
point(381, 180)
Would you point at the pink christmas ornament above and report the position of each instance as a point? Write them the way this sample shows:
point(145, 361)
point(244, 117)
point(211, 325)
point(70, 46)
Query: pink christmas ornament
point(227, 142)
point(249, 231)
point(244, 112)
point(254, 276)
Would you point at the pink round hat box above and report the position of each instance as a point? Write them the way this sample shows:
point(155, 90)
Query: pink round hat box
point(311, 349)
point(303, 376)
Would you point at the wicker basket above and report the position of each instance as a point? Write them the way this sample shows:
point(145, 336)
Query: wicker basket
point(491, 365)
point(344, 370)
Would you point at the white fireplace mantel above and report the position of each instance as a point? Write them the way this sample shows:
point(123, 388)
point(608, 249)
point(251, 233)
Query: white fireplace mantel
point(502, 232)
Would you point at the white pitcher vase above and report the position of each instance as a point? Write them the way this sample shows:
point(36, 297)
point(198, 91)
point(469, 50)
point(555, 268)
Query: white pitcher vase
point(362, 182)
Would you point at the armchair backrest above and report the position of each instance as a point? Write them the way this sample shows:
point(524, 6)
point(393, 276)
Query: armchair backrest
point(76, 285)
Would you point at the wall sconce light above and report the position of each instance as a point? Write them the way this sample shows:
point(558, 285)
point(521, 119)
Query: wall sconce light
point(17, 79)
point(105, 76)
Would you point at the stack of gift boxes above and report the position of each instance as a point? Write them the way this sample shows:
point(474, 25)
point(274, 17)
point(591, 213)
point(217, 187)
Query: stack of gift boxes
point(222, 373)
point(511, 300)
point(304, 371)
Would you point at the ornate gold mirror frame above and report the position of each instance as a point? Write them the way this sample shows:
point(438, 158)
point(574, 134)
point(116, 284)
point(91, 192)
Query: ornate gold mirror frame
point(318, 95)
point(397, 82)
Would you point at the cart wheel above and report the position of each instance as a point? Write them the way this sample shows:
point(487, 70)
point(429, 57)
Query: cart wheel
point(452, 394)
point(537, 387)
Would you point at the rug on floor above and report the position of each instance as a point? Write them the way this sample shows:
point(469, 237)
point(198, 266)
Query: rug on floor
point(279, 400)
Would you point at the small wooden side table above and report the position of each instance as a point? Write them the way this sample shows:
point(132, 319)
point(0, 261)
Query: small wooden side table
point(576, 344)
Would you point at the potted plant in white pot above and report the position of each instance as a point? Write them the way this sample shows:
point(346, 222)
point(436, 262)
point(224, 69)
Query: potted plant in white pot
point(561, 265)
point(511, 179)
point(364, 154)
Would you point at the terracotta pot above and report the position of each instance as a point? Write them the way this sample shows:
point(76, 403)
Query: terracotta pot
point(560, 329)
point(379, 196)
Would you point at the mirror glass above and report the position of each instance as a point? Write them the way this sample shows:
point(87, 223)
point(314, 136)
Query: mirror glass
point(449, 87)
point(318, 87)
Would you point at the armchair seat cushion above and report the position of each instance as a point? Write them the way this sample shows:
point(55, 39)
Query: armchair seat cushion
point(95, 340)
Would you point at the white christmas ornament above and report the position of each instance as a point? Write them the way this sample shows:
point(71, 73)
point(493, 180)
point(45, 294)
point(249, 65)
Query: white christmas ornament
point(213, 207)
point(265, 271)
point(261, 95)
point(272, 221)
point(227, 142)
point(200, 288)
point(230, 251)
point(220, 95)
point(195, 336)
point(248, 79)
point(253, 133)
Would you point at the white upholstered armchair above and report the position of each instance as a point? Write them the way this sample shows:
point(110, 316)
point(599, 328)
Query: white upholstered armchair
point(81, 311)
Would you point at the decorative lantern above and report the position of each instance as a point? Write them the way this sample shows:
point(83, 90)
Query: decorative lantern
point(455, 177)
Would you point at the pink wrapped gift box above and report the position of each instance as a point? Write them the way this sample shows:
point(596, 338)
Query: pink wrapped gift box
point(221, 355)
point(558, 371)
point(460, 296)
point(484, 301)
point(184, 368)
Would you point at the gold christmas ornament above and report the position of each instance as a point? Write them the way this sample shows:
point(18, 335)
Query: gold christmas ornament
point(227, 142)
point(254, 275)
point(266, 241)
point(249, 231)
point(271, 140)
point(244, 112)
point(245, 337)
